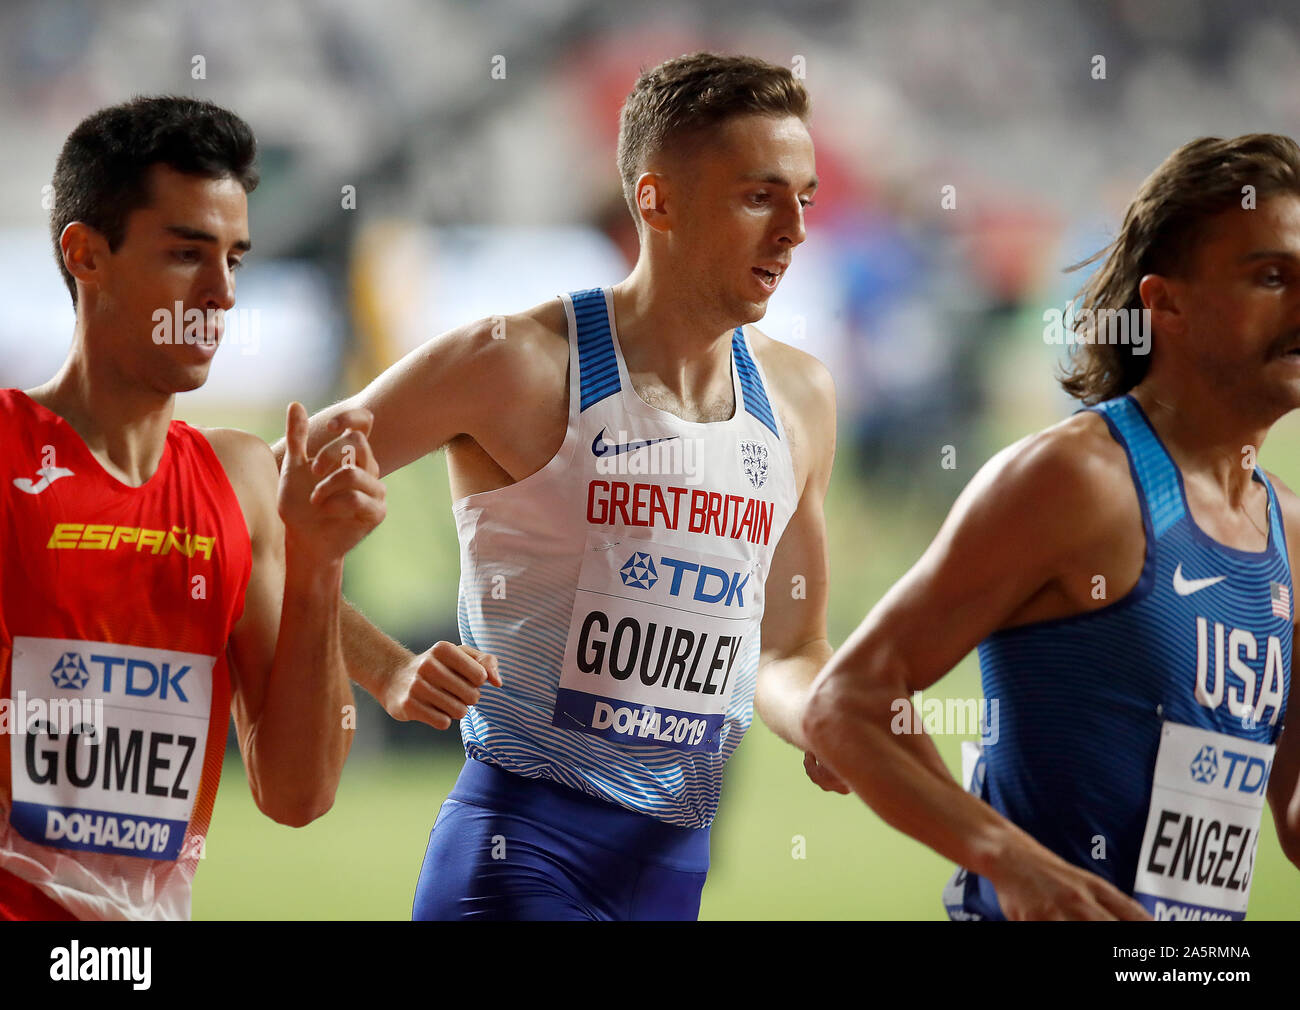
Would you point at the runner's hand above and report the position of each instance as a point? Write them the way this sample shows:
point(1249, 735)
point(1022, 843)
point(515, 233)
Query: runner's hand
point(328, 510)
point(823, 776)
point(438, 686)
point(1035, 883)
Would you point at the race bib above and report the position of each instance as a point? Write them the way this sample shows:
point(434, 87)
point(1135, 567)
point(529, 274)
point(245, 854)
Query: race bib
point(653, 643)
point(1202, 829)
point(110, 752)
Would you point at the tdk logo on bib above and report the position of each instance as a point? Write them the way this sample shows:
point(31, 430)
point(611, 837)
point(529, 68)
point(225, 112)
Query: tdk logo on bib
point(69, 672)
point(140, 678)
point(639, 571)
point(1205, 765)
point(699, 582)
point(136, 678)
point(1244, 773)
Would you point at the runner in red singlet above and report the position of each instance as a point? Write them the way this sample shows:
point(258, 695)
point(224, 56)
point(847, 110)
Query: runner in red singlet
point(153, 578)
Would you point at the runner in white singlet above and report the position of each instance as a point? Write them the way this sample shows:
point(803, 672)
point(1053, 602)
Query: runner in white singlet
point(638, 478)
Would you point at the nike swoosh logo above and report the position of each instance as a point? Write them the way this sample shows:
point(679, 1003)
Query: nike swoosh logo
point(601, 447)
point(49, 474)
point(1185, 587)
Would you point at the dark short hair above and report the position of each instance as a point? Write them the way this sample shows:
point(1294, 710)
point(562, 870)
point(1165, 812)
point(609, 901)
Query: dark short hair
point(102, 174)
point(678, 101)
point(1161, 230)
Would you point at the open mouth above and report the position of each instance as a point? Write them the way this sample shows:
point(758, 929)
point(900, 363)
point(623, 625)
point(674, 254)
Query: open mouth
point(768, 278)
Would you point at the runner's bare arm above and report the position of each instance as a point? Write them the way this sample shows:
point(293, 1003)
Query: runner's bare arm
point(1020, 521)
point(372, 656)
point(288, 677)
point(436, 687)
point(1284, 778)
point(451, 385)
point(795, 646)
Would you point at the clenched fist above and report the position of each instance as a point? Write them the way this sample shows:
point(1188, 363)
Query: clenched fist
point(438, 686)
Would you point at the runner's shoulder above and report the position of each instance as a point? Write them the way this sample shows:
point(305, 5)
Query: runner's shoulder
point(20, 409)
point(13, 410)
point(249, 465)
point(515, 351)
point(1070, 481)
point(803, 394)
point(797, 376)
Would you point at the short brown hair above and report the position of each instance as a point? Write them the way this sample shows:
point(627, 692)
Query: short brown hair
point(102, 174)
point(676, 102)
point(1161, 229)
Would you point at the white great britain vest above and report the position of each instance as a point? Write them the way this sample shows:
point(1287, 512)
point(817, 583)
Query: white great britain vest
point(621, 586)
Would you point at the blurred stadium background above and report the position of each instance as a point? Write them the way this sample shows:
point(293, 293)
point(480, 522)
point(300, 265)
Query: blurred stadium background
point(478, 140)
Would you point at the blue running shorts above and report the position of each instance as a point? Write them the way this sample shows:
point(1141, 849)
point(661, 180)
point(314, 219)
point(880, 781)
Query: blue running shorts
point(506, 847)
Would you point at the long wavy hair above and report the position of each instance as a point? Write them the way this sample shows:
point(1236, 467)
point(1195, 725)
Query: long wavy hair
point(1160, 231)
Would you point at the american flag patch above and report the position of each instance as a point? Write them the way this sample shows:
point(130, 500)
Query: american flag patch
point(1280, 599)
